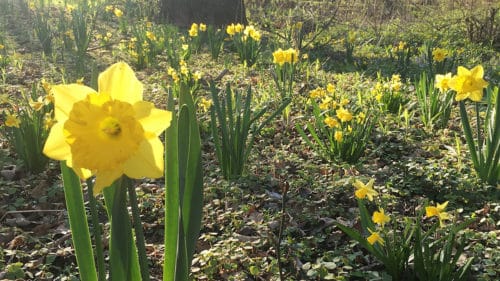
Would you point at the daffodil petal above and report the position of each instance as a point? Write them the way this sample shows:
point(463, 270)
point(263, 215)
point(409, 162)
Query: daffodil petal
point(462, 71)
point(476, 95)
point(65, 96)
point(56, 146)
point(147, 162)
point(477, 72)
point(152, 119)
point(119, 81)
point(81, 172)
point(104, 179)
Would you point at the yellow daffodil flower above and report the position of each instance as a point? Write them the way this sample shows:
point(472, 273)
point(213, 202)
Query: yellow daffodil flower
point(343, 114)
point(438, 211)
point(118, 13)
point(12, 121)
point(203, 27)
point(108, 133)
point(379, 217)
point(439, 54)
point(279, 57)
point(230, 30)
point(330, 88)
point(442, 82)
point(468, 83)
point(331, 122)
point(375, 238)
point(38, 104)
point(365, 190)
point(205, 104)
point(338, 136)
point(193, 31)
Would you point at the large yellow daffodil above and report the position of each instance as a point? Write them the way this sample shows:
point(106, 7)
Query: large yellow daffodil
point(468, 83)
point(108, 133)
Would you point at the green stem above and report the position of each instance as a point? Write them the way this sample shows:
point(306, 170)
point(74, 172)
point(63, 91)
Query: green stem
point(139, 234)
point(78, 224)
point(101, 269)
point(479, 142)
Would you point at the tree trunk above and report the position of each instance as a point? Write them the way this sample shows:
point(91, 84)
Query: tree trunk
point(216, 12)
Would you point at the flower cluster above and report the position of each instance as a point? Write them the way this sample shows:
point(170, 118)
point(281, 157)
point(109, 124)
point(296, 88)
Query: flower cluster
point(336, 114)
point(246, 40)
point(289, 56)
point(195, 27)
point(246, 31)
point(379, 217)
point(389, 93)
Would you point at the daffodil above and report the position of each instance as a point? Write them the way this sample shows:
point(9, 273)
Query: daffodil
point(38, 104)
point(375, 238)
point(331, 122)
point(12, 121)
point(365, 190)
point(468, 83)
point(205, 104)
point(439, 54)
point(193, 31)
point(108, 133)
point(343, 114)
point(230, 30)
point(203, 27)
point(442, 82)
point(338, 136)
point(330, 88)
point(118, 13)
point(437, 211)
point(379, 217)
point(279, 57)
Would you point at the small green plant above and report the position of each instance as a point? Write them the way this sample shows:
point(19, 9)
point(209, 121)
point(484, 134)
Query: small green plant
point(349, 44)
point(234, 127)
point(26, 128)
point(285, 62)
point(215, 39)
point(433, 259)
point(434, 102)
point(438, 60)
point(43, 30)
point(484, 148)
point(145, 45)
point(390, 94)
point(437, 259)
point(401, 55)
point(82, 24)
point(337, 132)
point(246, 40)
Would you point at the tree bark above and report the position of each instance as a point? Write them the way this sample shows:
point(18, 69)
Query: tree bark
point(215, 12)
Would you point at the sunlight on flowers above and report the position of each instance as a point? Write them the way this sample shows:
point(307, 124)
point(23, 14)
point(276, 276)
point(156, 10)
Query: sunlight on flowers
point(365, 190)
point(468, 83)
point(438, 211)
point(108, 133)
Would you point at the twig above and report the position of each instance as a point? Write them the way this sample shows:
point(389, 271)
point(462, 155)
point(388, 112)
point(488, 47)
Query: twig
point(29, 211)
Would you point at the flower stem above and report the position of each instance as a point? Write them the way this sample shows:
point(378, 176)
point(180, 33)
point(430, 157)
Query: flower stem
point(139, 234)
point(96, 228)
